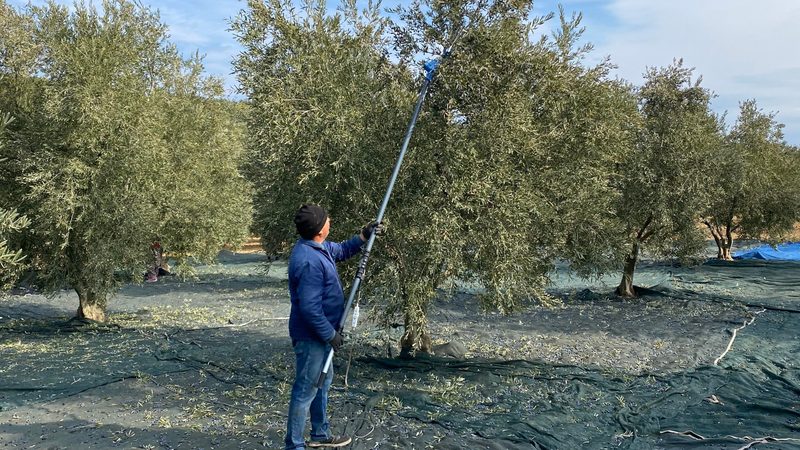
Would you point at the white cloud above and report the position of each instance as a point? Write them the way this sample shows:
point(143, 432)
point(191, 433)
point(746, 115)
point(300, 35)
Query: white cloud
point(203, 26)
point(743, 49)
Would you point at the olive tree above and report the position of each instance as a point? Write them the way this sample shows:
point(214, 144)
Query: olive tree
point(753, 177)
point(475, 200)
point(468, 205)
point(664, 187)
point(118, 142)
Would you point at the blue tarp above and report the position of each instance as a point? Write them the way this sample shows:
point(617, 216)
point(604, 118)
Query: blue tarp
point(784, 252)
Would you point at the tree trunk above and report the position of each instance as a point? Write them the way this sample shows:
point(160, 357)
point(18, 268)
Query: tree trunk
point(726, 248)
point(717, 241)
point(415, 339)
point(723, 232)
point(725, 252)
point(625, 288)
point(723, 241)
point(92, 306)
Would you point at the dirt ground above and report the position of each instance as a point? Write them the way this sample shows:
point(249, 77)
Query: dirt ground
point(207, 364)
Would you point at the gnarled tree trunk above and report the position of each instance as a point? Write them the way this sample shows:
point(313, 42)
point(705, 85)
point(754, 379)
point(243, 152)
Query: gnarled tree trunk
point(625, 288)
point(726, 253)
point(416, 337)
point(723, 232)
point(723, 237)
point(92, 305)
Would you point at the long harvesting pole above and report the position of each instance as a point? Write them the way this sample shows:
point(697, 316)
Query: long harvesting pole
point(430, 68)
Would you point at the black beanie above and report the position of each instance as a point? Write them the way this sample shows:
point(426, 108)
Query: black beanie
point(309, 219)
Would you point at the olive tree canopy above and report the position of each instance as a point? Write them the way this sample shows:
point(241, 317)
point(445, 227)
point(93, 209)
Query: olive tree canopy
point(754, 180)
point(118, 142)
point(511, 164)
point(12, 261)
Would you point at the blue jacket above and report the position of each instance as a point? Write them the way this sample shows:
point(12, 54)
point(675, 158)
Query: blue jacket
point(315, 289)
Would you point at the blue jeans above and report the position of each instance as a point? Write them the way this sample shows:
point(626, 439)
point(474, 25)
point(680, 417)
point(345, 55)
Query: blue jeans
point(311, 357)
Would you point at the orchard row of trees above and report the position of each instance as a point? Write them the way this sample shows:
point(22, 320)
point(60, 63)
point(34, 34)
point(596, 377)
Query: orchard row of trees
point(114, 142)
point(524, 154)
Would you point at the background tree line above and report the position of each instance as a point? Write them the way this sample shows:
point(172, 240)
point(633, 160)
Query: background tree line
point(524, 154)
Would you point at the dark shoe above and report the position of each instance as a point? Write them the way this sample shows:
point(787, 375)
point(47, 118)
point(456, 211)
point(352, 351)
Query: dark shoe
point(334, 441)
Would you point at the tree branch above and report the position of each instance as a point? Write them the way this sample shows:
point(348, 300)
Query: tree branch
point(652, 231)
point(640, 234)
point(731, 212)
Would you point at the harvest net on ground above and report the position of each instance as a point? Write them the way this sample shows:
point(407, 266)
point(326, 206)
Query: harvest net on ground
point(183, 363)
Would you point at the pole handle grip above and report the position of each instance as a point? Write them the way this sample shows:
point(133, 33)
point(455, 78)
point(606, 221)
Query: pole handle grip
point(325, 369)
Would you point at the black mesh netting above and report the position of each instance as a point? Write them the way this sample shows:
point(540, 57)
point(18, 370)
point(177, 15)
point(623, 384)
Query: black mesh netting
point(755, 393)
point(750, 398)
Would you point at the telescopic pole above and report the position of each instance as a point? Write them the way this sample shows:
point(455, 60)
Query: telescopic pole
point(430, 68)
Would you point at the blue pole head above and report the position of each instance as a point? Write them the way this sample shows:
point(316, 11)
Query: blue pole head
point(430, 68)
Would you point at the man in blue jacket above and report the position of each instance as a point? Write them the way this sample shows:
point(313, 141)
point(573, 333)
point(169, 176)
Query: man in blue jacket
point(317, 307)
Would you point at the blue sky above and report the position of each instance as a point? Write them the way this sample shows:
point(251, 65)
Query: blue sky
point(743, 49)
